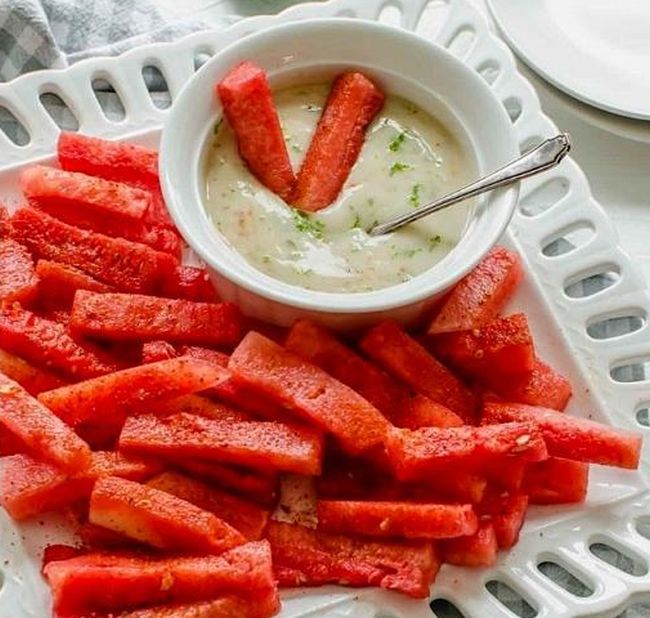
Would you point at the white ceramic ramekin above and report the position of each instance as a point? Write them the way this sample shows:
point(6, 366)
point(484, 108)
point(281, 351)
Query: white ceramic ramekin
point(401, 63)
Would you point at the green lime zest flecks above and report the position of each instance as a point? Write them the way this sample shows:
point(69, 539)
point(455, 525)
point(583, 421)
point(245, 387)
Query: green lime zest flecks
point(414, 196)
point(304, 223)
point(396, 143)
point(398, 166)
point(407, 253)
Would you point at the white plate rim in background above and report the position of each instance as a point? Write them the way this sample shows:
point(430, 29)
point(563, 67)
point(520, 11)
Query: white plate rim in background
point(579, 62)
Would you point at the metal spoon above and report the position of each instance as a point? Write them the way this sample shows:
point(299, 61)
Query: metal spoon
point(544, 156)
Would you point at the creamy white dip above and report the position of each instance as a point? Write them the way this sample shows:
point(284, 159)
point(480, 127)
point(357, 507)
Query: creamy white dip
point(408, 159)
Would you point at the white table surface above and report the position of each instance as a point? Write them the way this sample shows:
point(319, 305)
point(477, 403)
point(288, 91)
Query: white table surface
point(617, 168)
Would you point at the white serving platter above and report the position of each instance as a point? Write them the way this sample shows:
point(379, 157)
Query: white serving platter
point(563, 299)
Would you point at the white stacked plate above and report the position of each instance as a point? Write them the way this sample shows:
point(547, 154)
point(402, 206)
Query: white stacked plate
point(596, 53)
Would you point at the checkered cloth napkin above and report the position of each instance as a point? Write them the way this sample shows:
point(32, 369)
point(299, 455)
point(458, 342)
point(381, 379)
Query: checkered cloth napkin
point(54, 33)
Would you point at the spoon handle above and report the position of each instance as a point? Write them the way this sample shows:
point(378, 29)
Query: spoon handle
point(542, 157)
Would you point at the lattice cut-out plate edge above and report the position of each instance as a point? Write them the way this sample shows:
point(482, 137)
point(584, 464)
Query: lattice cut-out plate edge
point(564, 537)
